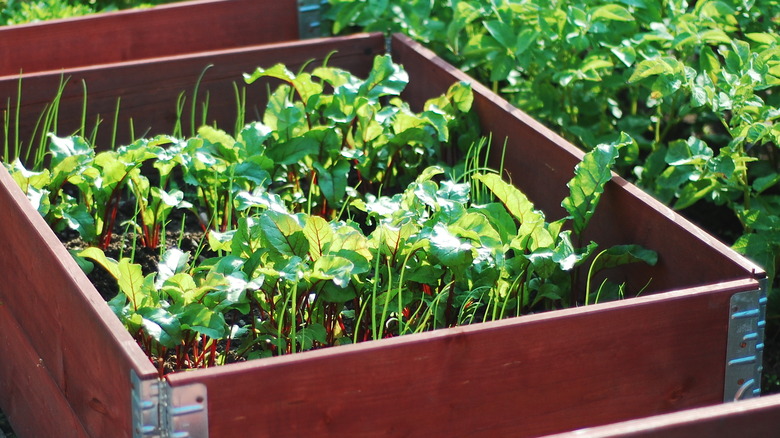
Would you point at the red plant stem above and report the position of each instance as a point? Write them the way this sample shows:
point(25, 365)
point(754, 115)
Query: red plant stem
point(179, 357)
point(225, 215)
point(111, 207)
point(389, 169)
point(161, 363)
point(156, 235)
point(340, 320)
point(213, 359)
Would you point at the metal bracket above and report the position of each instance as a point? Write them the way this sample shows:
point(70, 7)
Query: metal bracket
point(163, 411)
point(745, 345)
point(310, 18)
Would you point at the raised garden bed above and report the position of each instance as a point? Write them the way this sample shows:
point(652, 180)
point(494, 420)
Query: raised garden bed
point(164, 30)
point(540, 374)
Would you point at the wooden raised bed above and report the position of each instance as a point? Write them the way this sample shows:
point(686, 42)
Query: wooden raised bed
point(756, 418)
point(64, 353)
point(165, 30)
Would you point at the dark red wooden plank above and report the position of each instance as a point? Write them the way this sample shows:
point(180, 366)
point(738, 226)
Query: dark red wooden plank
point(596, 357)
point(134, 34)
point(29, 397)
point(757, 418)
point(526, 376)
point(149, 90)
point(82, 345)
point(540, 163)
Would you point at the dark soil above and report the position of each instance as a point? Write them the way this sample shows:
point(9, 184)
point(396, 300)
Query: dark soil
point(770, 381)
point(5, 428)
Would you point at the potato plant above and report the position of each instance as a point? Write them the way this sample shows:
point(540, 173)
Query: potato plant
point(693, 83)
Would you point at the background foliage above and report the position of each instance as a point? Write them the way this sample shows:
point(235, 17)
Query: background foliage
point(29, 11)
point(694, 83)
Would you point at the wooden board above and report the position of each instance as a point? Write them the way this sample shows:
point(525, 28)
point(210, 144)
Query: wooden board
point(145, 33)
point(81, 344)
point(756, 418)
point(29, 396)
point(150, 90)
point(525, 376)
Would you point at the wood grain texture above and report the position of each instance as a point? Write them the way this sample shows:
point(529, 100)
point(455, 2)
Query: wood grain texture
point(541, 163)
point(135, 34)
point(756, 418)
point(526, 376)
point(82, 345)
point(29, 397)
point(149, 90)
point(534, 375)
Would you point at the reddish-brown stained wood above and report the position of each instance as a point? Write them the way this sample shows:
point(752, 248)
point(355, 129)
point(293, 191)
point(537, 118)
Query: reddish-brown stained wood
point(541, 163)
point(756, 418)
point(134, 34)
point(82, 345)
point(28, 395)
point(526, 376)
point(522, 377)
point(149, 90)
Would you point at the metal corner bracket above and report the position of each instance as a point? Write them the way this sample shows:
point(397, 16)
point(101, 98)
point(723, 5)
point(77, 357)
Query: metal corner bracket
point(310, 18)
point(745, 344)
point(163, 411)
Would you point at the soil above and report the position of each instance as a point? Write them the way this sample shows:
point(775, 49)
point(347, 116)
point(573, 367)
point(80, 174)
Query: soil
point(5, 427)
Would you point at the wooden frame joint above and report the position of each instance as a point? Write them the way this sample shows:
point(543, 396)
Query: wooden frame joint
point(311, 22)
point(160, 410)
point(745, 344)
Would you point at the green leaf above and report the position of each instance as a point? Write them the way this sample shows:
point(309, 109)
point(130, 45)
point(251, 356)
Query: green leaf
point(131, 282)
point(173, 261)
point(513, 199)
point(278, 71)
point(284, 233)
point(762, 183)
point(762, 247)
point(448, 248)
point(254, 137)
point(709, 62)
point(385, 79)
point(310, 334)
point(293, 150)
point(532, 233)
point(203, 320)
point(612, 12)
point(762, 37)
point(320, 235)
point(334, 294)
point(504, 33)
point(80, 220)
point(622, 255)
point(590, 177)
point(649, 67)
point(62, 148)
point(162, 326)
point(501, 220)
point(181, 289)
point(335, 268)
point(333, 181)
point(99, 256)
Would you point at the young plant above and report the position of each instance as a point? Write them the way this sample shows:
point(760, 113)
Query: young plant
point(358, 137)
point(155, 203)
